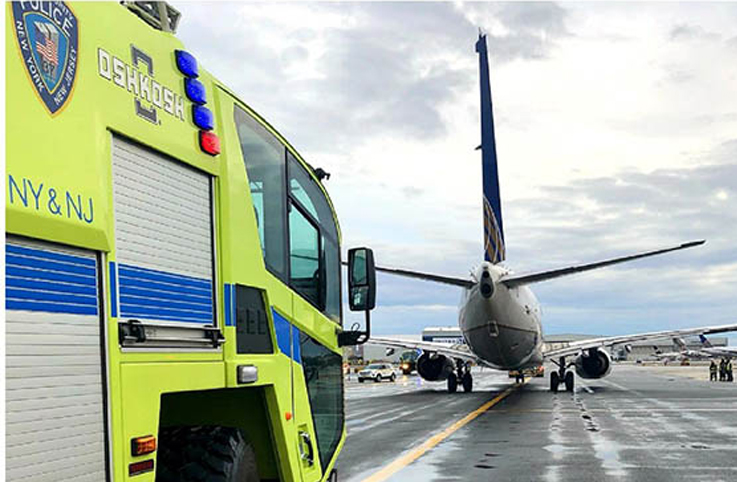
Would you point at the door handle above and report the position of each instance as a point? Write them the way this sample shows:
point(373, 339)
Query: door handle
point(309, 455)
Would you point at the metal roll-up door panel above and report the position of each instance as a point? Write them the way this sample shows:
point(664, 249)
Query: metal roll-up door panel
point(163, 243)
point(55, 410)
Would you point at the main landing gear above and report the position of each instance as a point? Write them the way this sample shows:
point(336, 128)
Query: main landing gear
point(462, 374)
point(562, 375)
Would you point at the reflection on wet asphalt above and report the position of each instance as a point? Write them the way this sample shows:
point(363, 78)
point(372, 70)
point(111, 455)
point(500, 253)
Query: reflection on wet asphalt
point(638, 424)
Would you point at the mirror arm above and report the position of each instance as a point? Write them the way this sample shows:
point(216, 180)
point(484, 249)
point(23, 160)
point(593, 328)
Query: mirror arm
point(356, 337)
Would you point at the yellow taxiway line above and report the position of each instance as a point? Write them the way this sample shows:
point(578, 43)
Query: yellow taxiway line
point(414, 454)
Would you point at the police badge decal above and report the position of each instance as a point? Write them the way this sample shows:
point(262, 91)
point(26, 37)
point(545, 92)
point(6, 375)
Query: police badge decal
point(48, 39)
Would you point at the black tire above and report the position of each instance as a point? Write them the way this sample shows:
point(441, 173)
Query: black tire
point(205, 454)
point(554, 382)
point(392, 377)
point(569, 381)
point(360, 380)
point(377, 379)
point(452, 383)
point(467, 382)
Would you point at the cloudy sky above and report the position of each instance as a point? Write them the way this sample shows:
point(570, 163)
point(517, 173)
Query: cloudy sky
point(616, 132)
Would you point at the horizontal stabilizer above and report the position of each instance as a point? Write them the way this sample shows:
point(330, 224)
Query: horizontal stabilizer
point(448, 280)
point(528, 278)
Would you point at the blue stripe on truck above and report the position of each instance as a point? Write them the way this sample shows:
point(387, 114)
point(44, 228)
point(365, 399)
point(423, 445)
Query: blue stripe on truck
point(44, 280)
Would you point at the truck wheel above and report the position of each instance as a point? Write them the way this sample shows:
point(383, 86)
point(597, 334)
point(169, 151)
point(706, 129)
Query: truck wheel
point(360, 380)
point(392, 377)
point(205, 453)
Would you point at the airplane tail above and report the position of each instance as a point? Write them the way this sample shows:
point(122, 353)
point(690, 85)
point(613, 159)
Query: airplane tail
point(678, 341)
point(705, 341)
point(494, 247)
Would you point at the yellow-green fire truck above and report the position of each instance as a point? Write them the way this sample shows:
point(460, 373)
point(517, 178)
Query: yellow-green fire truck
point(173, 266)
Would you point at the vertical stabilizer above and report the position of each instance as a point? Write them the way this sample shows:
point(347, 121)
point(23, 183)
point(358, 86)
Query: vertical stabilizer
point(494, 248)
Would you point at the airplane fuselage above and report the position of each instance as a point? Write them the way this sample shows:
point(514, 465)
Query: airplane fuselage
point(501, 325)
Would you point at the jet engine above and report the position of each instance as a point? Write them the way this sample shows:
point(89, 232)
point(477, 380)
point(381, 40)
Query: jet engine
point(434, 367)
point(593, 363)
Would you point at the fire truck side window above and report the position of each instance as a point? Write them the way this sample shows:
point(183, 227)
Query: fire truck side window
point(265, 165)
point(304, 256)
point(305, 192)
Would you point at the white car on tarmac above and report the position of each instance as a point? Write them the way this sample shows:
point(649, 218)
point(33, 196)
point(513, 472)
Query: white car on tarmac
point(377, 372)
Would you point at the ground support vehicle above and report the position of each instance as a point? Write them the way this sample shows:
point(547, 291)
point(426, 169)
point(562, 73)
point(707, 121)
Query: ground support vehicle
point(377, 372)
point(173, 307)
point(408, 362)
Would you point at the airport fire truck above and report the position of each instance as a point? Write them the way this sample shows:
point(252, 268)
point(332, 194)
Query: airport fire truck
point(173, 266)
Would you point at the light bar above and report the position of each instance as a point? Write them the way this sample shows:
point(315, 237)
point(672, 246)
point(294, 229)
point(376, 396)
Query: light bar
point(210, 143)
point(195, 91)
point(187, 63)
point(202, 117)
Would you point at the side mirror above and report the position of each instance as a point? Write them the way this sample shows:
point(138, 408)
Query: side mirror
point(361, 279)
point(361, 293)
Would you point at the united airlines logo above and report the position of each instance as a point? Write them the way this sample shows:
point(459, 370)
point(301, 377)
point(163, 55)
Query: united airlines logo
point(494, 241)
point(48, 38)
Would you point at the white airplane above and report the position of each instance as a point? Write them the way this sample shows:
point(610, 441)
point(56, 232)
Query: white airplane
point(683, 352)
point(717, 352)
point(707, 352)
point(499, 315)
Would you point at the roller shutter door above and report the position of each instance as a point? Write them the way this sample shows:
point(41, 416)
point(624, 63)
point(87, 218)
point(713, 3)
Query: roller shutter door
point(163, 236)
point(55, 409)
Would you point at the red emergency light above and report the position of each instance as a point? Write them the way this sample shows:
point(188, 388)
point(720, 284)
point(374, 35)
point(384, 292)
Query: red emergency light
point(210, 143)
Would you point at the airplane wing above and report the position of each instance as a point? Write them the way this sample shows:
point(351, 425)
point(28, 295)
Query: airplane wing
point(513, 280)
point(428, 347)
point(578, 346)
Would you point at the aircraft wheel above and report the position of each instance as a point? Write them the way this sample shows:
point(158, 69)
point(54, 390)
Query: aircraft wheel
point(569, 381)
point(467, 382)
point(554, 382)
point(452, 383)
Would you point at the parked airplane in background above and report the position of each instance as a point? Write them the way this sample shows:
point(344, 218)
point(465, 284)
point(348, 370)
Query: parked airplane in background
point(717, 351)
point(499, 315)
point(707, 352)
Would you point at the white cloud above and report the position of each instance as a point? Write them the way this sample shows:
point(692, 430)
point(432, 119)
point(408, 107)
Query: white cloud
point(615, 126)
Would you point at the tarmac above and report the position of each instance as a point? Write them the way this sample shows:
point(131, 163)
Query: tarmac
point(641, 423)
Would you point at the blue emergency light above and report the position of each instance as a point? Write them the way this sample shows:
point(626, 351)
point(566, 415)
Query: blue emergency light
point(202, 117)
point(195, 91)
point(187, 63)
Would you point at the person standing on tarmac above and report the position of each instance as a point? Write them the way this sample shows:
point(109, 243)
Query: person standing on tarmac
point(722, 370)
point(730, 375)
point(713, 371)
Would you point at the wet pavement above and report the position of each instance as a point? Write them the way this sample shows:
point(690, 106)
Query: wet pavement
point(638, 424)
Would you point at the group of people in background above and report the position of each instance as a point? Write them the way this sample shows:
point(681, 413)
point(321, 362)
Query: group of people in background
point(724, 369)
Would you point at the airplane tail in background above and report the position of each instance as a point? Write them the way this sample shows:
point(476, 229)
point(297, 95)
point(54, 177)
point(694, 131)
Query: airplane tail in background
point(494, 247)
point(705, 341)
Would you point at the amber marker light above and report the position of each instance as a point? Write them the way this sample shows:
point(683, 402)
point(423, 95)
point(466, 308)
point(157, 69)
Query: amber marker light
point(143, 445)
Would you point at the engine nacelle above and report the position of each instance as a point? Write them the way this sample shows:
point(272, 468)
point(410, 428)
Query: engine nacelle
point(594, 363)
point(434, 367)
